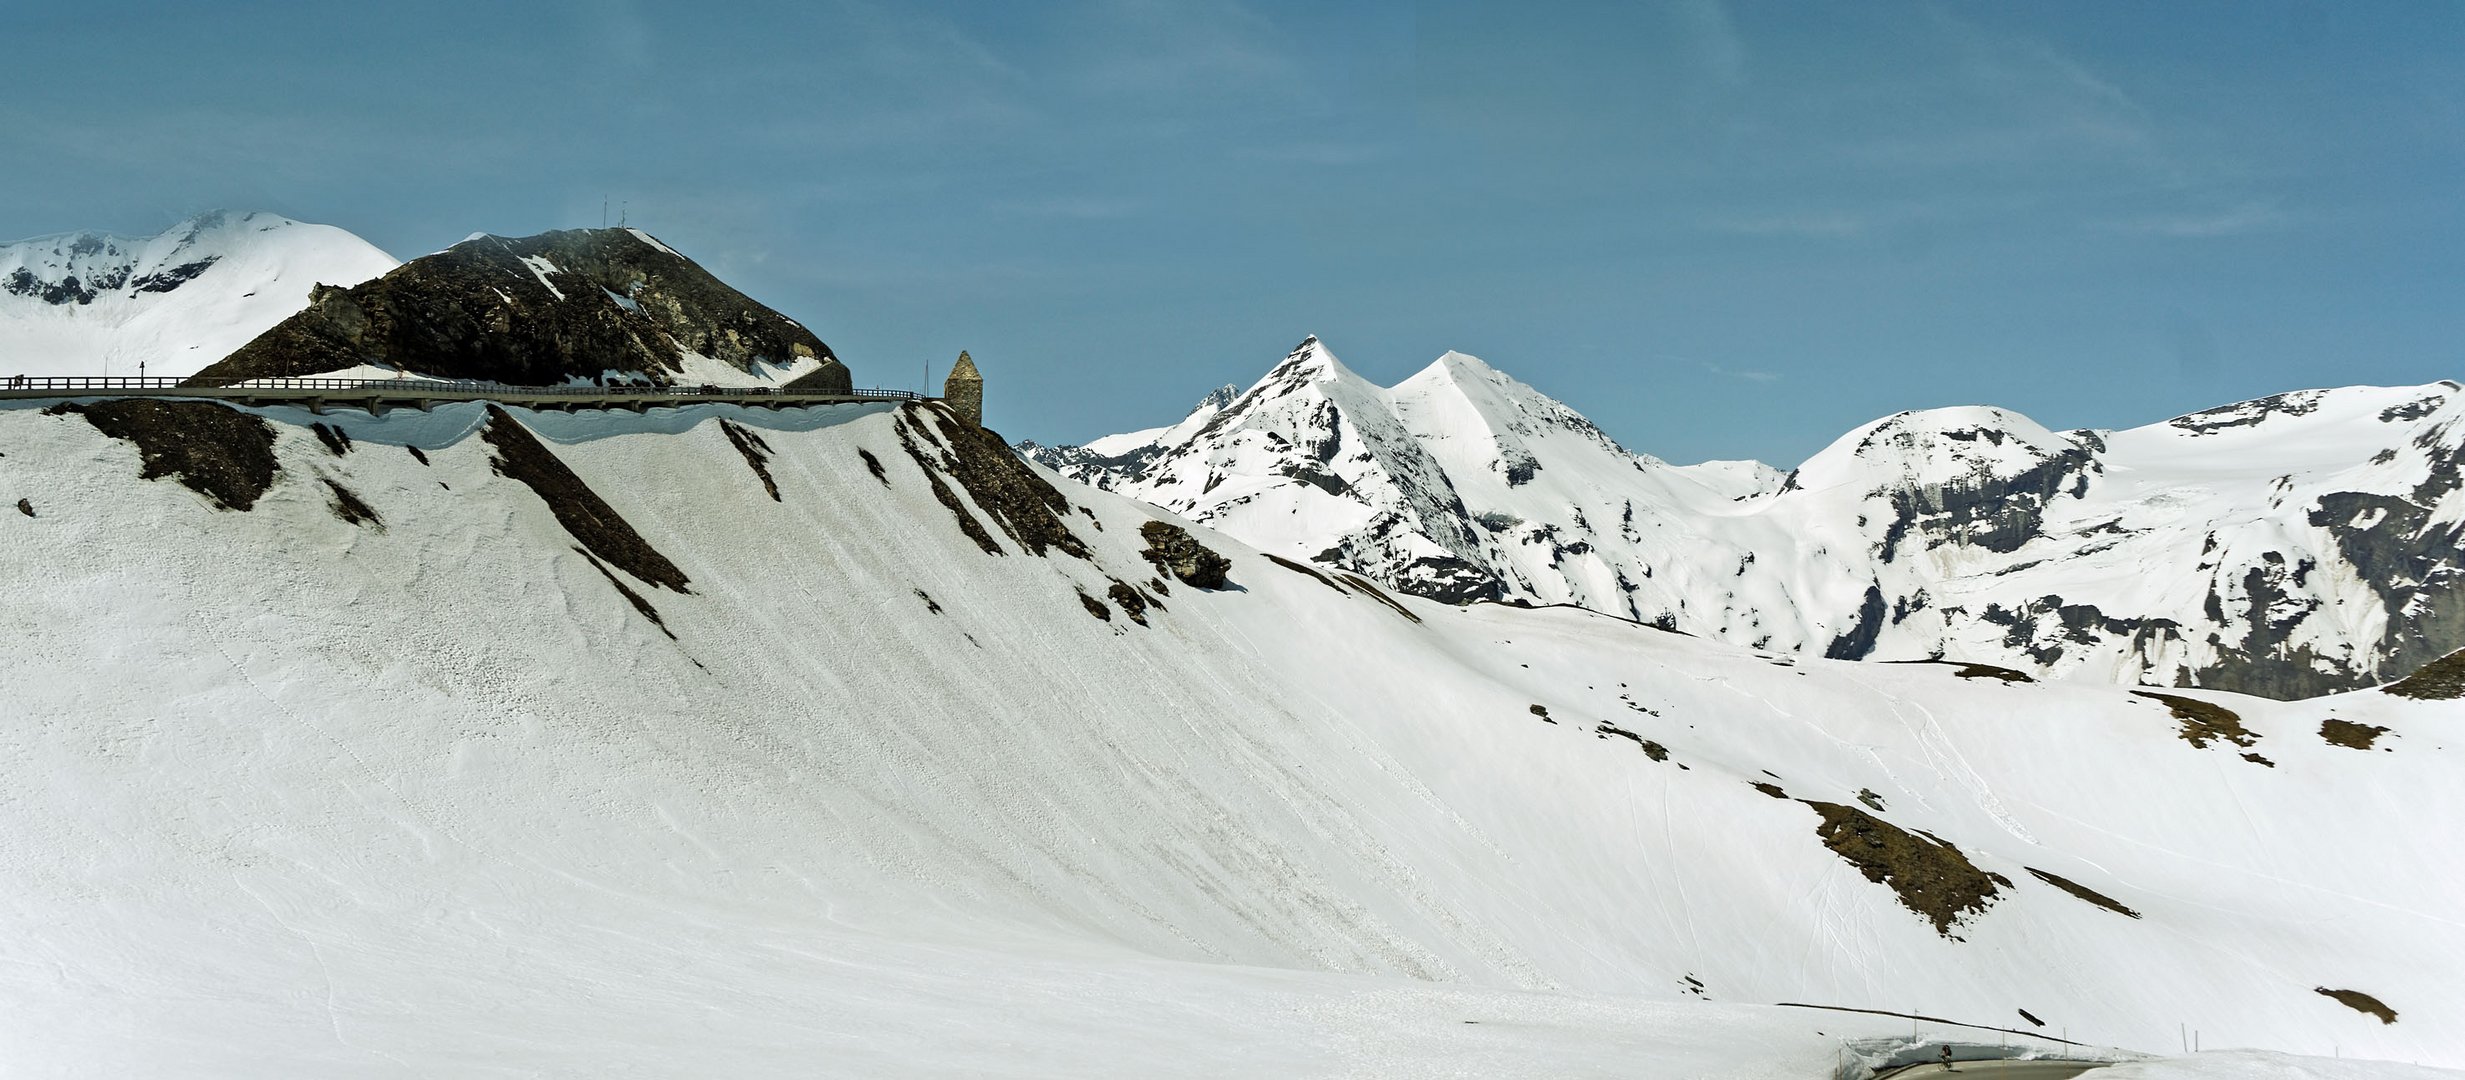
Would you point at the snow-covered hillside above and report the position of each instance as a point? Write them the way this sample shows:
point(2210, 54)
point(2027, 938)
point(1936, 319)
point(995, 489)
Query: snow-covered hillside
point(90, 303)
point(833, 742)
point(2289, 546)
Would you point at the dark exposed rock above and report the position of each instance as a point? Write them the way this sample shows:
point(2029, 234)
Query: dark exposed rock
point(2360, 1002)
point(586, 516)
point(417, 454)
point(1651, 749)
point(351, 508)
point(640, 605)
point(2082, 891)
point(1019, 500)
point(1542, 711)
point(1297, 568)
point(831, 378)
point(165, 280)
point(26, 507)
point(1173, 550)
point(1930, 876)
point(335, 439)
point(1997, 513)
point(219, 452)
point(1129, 601)
point(2247, 413)
point(531, 311)
point(1095, 607)
point(873, 465)
point(756, 454)
point(2440, 680)
point(1372, 591)
point(1858, 640)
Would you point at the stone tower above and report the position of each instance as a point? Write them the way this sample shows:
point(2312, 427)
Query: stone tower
point(964, 391)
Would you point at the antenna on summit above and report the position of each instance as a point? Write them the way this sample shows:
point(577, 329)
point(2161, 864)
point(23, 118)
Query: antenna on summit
point(603, 211)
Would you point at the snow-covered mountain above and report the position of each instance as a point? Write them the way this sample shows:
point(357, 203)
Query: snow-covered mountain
point(90, 303)
point(836, 741)
point(2289, 546)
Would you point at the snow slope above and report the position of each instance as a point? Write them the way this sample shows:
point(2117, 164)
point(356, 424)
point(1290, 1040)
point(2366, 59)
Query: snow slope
point(90, 303)
point(2290, 546)
point(283, 794)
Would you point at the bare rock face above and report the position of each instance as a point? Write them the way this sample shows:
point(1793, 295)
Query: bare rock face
point(538, 310)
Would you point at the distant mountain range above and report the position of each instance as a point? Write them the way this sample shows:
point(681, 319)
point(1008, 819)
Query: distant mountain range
point(2289, 546)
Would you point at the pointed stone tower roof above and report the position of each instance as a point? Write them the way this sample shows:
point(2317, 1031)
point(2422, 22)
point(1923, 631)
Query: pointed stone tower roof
point(963, 391)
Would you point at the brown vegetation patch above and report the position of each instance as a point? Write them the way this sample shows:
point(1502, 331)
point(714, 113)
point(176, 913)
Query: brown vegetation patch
point(221, 453)
point(2258, 760)
point(756, 452)
point(1171, 548)
point(1873, 801)
point(335, 439)
point(2440, 680)
point(2082, 891)
point(1930, 876)
point(351, 508)
point(1969, 670)
point(2202, 721)
point(585, 516)
point(2350, 735)
point(2360, 1002)
point(1772, 790)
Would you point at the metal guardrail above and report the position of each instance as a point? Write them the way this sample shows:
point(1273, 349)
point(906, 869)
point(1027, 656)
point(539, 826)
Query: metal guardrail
point(81, 385)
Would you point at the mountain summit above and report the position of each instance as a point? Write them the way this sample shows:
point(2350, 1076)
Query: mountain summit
point(582, 304)
point(95, 303)
point(2289, 546)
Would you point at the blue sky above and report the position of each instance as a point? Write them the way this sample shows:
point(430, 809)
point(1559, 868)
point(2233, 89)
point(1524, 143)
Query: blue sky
point(1718, 229)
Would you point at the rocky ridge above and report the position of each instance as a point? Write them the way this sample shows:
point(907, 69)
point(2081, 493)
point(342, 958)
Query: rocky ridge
point(2289, 546)
point(573, 305)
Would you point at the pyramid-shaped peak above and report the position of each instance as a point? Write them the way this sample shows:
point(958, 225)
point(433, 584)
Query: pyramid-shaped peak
point(1310, 359)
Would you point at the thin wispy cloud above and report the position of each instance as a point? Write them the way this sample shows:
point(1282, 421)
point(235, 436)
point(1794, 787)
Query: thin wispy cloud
point(1746, 376)
point(1742, 375)
point(2247, 218)
point(1819, 226)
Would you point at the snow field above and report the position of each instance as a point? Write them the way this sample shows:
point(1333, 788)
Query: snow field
point(288, 796)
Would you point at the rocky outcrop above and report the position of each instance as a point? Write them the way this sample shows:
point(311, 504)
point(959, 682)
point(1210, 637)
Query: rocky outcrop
point(584, 304)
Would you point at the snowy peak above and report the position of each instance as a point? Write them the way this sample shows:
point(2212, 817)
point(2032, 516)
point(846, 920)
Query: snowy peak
point(84, 302)
point(2290, 546)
